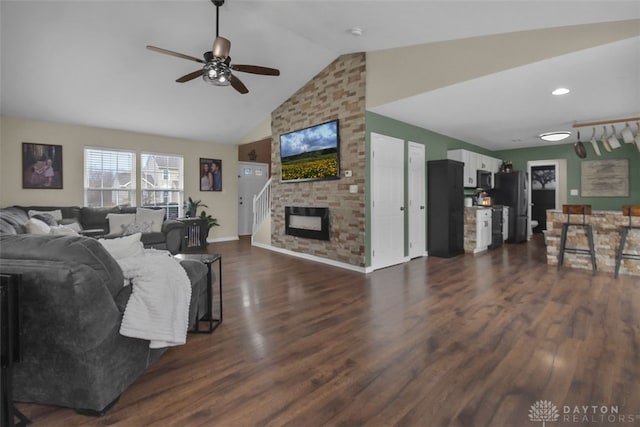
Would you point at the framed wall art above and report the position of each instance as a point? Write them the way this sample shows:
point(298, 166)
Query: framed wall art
point(605, 178)
point(210, 174)
point(41, 166)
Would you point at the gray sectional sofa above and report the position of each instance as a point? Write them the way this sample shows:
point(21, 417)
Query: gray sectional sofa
point(73, 300)
point(170, 238)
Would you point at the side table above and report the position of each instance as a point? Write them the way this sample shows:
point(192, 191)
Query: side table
point(196, 231)
point(208, 260)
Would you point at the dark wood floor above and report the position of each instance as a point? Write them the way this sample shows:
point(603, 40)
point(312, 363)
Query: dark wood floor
point(468, 341)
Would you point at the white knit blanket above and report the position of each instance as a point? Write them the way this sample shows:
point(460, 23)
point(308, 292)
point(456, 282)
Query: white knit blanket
point(158, 309)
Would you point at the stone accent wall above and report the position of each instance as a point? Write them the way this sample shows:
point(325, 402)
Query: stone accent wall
point(470, 229)
point(336, 92)
point(606, 238)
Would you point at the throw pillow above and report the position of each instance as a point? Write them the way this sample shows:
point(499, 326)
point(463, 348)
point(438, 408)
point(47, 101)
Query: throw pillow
point(119, 222)
point(73, 225)
point(155, 217)
point(62, 230)
point(36, 226)
point(46, 218)
point(70, 222)
point(124, 247)
point(145, 227)
point(56, 214)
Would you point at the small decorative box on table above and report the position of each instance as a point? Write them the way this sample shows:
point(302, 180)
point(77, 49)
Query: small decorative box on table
point(208, 260)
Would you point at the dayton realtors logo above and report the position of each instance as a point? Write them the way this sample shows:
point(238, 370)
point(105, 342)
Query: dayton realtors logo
point(545, 411)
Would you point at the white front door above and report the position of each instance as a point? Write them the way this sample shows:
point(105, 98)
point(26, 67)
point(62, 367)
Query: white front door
point(387, 201)
point(417, 212)
point(251, 179)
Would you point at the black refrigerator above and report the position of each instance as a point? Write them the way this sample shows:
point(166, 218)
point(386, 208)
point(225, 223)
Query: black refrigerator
point(510, 189)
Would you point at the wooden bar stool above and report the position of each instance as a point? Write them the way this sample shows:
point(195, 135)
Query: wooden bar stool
point(629, 211)
point(583, 210)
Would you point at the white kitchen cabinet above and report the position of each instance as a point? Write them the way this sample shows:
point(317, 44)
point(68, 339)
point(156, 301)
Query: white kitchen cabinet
point(496, 163)
point(473, 162)
point(483, 229)
point(484, 163)
point(470, 168)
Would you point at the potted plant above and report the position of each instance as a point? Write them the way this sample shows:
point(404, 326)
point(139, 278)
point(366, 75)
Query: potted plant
point(211, 222)
point(192, 207)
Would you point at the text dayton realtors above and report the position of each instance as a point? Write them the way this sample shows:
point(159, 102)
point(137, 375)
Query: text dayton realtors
point(596, 414)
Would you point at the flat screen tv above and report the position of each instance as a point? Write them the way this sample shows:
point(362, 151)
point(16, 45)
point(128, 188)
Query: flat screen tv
point(311, 154)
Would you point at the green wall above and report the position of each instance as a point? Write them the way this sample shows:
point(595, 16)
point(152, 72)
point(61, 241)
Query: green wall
point(436, 147)
point(520, 157)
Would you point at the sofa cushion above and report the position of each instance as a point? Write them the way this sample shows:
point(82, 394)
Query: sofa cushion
point(13, 218)
point(92, 218)
point(56, 213)
point(6, 227)
point(153, 238)
point(67, 211)
point(72, 249)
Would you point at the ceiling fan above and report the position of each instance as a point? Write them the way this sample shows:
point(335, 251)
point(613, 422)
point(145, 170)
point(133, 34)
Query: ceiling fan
point(217, 69)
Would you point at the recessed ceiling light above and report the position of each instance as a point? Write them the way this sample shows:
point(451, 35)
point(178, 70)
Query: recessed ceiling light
point(560, 91)
point(555, 136)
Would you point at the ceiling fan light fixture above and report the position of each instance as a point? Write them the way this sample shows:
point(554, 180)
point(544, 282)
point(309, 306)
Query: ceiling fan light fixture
point(555, 136)
point(216, 73)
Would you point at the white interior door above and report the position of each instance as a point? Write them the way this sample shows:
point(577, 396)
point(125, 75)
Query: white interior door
point(387, 201)
point(251, 179)
point(417, 212)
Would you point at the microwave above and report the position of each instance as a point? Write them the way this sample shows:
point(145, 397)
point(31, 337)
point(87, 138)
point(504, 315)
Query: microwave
point(484, 180)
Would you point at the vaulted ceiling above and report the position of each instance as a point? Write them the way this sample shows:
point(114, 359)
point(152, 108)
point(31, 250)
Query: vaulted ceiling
point(85, 62)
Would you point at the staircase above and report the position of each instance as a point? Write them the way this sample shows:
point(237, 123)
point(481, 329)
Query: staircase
point(261, 230)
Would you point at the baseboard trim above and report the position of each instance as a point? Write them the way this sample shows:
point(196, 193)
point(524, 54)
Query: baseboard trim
point(314, 258)
point(222, 239)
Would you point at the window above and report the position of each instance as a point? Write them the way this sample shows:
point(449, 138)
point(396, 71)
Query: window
point(109, 177)
point(162, 182)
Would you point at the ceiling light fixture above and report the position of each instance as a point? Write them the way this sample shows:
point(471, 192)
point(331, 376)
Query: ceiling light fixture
point(560, 91)
point(356, 31)
point(555, 136)
point(216, 73)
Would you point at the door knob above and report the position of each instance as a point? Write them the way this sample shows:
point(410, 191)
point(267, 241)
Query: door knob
point(421, 207)
point(401, 208)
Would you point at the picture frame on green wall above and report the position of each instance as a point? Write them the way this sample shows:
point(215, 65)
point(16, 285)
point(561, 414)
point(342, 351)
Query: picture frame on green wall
point(41, 166)
point(605, 178)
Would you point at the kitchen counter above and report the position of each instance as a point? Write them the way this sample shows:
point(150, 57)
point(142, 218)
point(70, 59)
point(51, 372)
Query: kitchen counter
point(606, 237)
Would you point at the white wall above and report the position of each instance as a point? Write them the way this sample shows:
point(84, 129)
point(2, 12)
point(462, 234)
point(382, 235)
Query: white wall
point(13, 132)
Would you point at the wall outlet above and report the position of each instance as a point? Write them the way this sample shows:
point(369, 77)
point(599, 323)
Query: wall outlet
point(574, 192)
point(353, 188)
point(348, 174)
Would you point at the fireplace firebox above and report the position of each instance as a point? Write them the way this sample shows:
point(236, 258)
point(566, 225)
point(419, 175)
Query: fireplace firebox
point(312, 223)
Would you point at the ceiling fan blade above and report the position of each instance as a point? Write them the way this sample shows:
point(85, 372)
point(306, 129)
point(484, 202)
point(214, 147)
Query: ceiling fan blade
point(177, 54)
point(238, 85)
point(221, 48)
point(255, 69)
point(190, 76)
